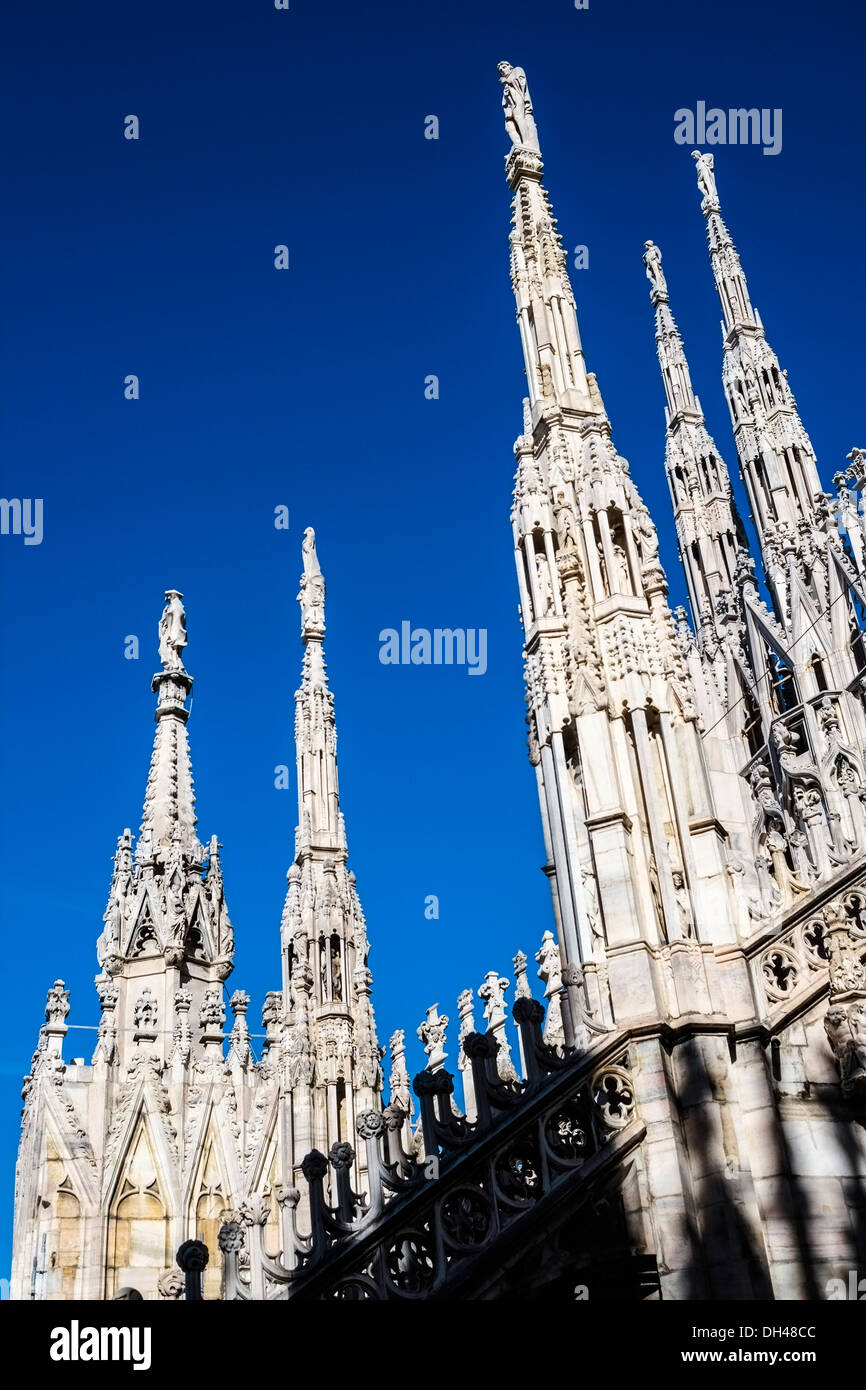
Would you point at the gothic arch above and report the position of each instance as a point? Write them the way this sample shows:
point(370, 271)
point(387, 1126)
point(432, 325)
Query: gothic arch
point(143, 938)
point(139, 1235)
point(209, 1200)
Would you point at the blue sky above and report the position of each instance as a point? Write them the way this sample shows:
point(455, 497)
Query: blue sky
point(306, 388)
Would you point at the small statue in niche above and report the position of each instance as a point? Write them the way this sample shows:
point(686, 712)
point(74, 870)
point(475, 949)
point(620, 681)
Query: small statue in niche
point(647, 535)
point(336, 972)
point(623, 577)
point(324, 977)
point(545, 586)
point(681, 893)
point(567, 527)
point(655, 889)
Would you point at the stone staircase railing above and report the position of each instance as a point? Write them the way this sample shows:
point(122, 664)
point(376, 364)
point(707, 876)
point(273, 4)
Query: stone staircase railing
point(432, 1223)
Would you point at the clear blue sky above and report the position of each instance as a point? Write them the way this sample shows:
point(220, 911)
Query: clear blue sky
point(305, 388)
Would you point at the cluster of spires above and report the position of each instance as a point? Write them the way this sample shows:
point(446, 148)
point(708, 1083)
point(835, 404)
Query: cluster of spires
point(798, 529)
point(802, 531)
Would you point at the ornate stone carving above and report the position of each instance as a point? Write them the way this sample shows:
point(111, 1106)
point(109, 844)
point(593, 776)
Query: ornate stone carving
point(517, 105)
point(846, 1032)
point(432, 1034)
point(145, 1014)
point(171, 1283)
point(57, 1003)
point(172, 632)
point(212, 1013)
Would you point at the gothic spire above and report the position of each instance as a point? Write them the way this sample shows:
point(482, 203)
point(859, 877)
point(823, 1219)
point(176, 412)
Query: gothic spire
point(546, 313)
point(169, 819)
point(604, 669)
point(320, 822)
point(166, 905)
point(776, 456)
point(709, 530)
point(326, 983)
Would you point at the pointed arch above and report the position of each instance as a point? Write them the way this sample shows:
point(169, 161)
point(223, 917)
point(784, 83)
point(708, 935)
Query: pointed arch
point(210, 1197)
point(139, 1236)
point(143, 938)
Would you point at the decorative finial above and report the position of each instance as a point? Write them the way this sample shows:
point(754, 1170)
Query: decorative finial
point(432, 1035)
point(857, 460)
point(517, 105)
point(172, 632)
point(312, 592)
point(57, 1003)
point(706, 177)
point(652, 259)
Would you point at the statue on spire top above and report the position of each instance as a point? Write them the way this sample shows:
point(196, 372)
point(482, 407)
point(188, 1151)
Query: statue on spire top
point(172, 632)
point(517, 105)
point(312, 592)
point(652, 259)
point(706, 177)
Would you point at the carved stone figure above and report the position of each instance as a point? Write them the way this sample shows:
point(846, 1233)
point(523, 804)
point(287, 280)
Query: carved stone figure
point(517, 105)
point(337, 974)
point(57, 1003)
point(623, 577)
point(172, 632)
point(401, 1091)
point(681, 894)
point(550, 971)
point(493, 994)
point(652, 259)
point(706, 176)
point(145, 1012)
point(312, 592)
point(545, 586)
point(171, 1284)
point(647, 534)
point(212, 1013)
point(845, 1025)
point(432, 1034)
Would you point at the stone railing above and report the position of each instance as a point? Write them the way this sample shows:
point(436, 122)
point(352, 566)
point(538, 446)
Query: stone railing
point(795, 963)
point(433, 1219)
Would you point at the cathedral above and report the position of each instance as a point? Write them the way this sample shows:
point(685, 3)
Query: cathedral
point(682, 1115)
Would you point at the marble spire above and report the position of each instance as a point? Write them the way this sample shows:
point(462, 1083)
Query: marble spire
point(612, 719)
point(320, 821)
point(327, 1016)
point(710, 533)
point(776, 456)
point(169, 818)
point(166, 916)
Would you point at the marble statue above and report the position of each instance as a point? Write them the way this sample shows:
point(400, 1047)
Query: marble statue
point(172, 632)
point(517, 105)
point(312, 592)
point(706, 176)
point(652, 259)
